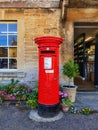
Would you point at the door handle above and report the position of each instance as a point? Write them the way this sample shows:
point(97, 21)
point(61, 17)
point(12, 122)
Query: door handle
point(55, 78)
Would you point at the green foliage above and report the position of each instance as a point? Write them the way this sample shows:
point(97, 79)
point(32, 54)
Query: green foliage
point(15, 90)
point(74, 110)
point(14, 82)
point(18, 91)
point(71, 69)
point(8, 88)
point(32, 98)
point(1, 100)
point(66, 101)
point(86, 110)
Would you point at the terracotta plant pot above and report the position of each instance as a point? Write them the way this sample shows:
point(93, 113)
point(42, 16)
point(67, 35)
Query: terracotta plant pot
point(65, 108)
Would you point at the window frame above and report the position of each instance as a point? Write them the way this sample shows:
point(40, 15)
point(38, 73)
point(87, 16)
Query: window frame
point(7, 34)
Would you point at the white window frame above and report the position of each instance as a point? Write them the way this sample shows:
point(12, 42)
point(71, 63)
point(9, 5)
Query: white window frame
point(7, 46)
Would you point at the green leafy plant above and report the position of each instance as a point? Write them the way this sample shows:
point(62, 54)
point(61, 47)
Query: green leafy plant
point(74, 110)
point(19, 91)
point(67, 102)
point(70, 69)
point(64, 99)
point(32, 98)
point(86, 110)
point(8, 88)
point(1, 100)
point(15, 90)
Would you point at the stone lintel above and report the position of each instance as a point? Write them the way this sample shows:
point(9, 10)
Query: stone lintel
point(30, 4)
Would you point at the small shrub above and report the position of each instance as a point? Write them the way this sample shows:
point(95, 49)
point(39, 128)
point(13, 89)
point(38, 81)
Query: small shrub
point(32, 98)
point(86, 110)
point(14, 90)
point(70, 69)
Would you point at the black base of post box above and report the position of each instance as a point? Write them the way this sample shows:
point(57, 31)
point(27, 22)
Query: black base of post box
point(48, 110)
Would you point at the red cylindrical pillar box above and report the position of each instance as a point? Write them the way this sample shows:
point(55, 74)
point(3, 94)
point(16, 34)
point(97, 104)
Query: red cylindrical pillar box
point(48, 86)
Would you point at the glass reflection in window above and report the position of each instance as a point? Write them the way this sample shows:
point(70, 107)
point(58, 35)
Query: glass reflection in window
point(12, 28)
point(12, 52)
point(3, 52)
point(8, 45)
point(3, 40)
point(3, 63)
point(12, 40)
point(12, 64)
point(3, 28)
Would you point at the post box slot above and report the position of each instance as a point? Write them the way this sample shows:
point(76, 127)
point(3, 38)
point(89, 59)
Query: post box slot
point(52, 52)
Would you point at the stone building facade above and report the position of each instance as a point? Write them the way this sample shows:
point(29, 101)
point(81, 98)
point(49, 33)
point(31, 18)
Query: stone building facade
point(32, 21)
point(84, 14)
point(36, 18)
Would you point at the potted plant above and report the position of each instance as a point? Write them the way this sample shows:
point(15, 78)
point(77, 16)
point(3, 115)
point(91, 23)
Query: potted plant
point(71, 70)
point(65, 102)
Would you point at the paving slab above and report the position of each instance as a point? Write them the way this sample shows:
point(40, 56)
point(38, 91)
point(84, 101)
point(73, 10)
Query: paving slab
point(87, 99)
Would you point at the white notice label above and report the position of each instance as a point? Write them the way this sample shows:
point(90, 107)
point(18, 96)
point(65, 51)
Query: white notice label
point(47, 62)
point(49, 71)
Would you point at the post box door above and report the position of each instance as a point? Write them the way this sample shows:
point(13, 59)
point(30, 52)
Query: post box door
point(49, 80)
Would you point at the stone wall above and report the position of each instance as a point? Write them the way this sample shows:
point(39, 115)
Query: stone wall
point(31, 23)
point(35, 22)
point(29, 3)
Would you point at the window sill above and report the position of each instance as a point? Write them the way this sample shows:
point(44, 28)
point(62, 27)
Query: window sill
point(12, 74)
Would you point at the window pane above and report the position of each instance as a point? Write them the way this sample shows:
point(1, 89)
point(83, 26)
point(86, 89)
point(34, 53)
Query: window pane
point(12, 40)
point(3, 52)
point(3, 63)
point(12, 28)
point(12, 52)
point(3, 28)
point(3, 40)
point(8, 46)
point(12, 64)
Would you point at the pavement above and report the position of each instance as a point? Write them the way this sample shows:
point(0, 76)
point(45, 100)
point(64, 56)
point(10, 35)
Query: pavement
point(17, 117)
point(87, 99)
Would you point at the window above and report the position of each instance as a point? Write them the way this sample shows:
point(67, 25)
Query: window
point(8, 46)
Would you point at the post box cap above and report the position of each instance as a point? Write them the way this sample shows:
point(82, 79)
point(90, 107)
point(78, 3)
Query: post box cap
point(48, 41)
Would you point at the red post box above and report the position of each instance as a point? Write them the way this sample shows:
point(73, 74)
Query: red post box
point(48, 85)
